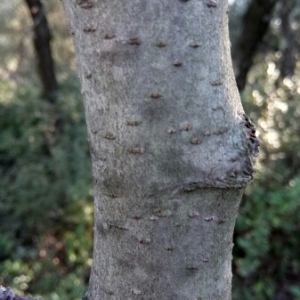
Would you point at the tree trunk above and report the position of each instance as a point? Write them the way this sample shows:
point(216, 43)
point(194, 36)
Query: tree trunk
point(171, 148)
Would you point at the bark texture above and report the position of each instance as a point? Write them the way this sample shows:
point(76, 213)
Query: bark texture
point(170, 145)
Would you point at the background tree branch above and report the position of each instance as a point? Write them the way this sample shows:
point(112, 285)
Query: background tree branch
point(288, 62)
point(42, 38)
point(255, 24)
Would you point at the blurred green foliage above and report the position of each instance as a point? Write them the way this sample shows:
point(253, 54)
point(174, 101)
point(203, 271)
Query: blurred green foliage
point(267, 235)
point(46, 214)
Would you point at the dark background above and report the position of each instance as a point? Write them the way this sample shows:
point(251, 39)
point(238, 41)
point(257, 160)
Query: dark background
point(46, 208)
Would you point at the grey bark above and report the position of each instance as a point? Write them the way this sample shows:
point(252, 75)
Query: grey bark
point(170, 145)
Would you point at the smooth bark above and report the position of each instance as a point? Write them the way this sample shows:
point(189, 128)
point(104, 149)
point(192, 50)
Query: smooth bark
point(170, 145)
